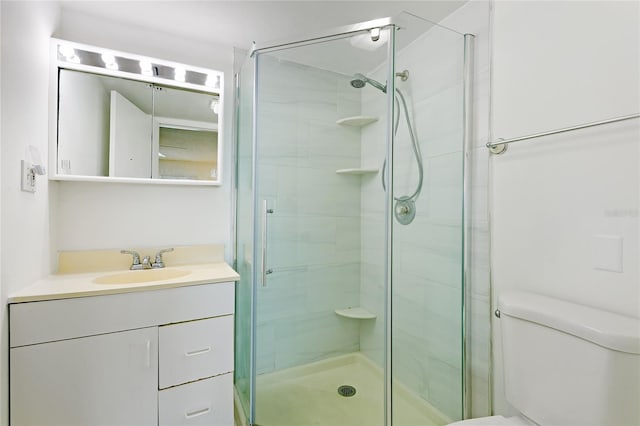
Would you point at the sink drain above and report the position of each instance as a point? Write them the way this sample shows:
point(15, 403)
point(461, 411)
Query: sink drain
point(346, 390)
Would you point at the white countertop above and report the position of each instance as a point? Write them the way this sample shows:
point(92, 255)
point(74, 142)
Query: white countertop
point(66, 286)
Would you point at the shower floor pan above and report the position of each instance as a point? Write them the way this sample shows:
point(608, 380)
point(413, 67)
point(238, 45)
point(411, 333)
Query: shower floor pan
point(308, 396)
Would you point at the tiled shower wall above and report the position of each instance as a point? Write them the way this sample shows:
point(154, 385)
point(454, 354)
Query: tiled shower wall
point(314, 232)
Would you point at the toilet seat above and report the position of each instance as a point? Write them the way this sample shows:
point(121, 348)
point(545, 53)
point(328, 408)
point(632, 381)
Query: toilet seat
point(493, 421)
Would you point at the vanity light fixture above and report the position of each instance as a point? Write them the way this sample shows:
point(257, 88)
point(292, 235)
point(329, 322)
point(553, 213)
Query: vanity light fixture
point(110, 61)
point(179, 74)
point(85, 58)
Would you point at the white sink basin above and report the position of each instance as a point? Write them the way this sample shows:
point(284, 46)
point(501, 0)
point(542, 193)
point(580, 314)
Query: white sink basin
point(142, 276)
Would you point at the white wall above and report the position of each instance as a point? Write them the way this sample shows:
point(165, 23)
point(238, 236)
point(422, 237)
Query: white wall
point(26, 28)
point(99, 215)
point(558, 64)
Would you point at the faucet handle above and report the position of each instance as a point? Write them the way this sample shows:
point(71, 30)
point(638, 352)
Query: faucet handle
point(158, 262)
point(135, 264)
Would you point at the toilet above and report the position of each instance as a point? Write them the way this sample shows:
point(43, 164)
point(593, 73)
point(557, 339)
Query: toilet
point(567, 364)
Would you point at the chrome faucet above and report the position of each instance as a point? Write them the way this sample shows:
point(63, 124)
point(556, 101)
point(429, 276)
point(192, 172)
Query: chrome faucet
point(136, 264)
point(158, 263)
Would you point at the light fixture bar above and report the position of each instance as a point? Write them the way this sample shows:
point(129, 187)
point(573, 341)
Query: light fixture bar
point(93, 59)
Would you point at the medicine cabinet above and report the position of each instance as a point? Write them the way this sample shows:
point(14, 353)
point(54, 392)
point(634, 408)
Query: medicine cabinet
point(121, 117)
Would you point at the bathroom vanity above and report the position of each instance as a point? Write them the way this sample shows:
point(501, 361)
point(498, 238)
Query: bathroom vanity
point(142, 353)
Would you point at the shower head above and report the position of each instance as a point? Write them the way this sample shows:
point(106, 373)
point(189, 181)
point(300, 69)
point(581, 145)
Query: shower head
point(359, 81)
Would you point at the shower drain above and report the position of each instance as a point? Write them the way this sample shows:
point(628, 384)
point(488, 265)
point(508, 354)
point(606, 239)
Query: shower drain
point(346, 390)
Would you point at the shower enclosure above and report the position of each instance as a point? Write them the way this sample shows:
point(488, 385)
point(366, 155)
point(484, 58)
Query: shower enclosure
point(350, 227)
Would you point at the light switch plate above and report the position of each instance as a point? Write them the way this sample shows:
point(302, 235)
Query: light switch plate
point(607, 253)
point(28, 180)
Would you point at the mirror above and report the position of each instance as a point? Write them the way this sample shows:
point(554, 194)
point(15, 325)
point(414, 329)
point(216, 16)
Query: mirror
point(113, 127)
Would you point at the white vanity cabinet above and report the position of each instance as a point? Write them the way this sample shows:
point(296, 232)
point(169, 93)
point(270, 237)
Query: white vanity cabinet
point(161, 357)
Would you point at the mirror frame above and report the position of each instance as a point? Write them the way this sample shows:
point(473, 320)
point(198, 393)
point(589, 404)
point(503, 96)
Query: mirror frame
point(213, 84)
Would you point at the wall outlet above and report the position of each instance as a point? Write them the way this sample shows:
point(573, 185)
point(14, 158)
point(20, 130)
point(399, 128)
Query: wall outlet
point(28, 180)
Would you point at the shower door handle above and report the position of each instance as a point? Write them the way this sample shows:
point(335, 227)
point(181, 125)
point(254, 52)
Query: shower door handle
point(263, 261)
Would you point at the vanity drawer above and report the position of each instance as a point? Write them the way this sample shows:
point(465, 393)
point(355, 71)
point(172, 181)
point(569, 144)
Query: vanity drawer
point(194, 350)
point(205, 402)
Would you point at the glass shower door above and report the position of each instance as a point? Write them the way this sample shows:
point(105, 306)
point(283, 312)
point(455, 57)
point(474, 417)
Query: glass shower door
point(427, 228)
point(318, 342)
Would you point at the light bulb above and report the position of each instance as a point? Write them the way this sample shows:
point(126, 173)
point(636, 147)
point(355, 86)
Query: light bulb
point(108, 58)
point(109, 61)
point(213, 81)
point(179, 74)
point(67, 51)
point(145, 68)
point(215, 106)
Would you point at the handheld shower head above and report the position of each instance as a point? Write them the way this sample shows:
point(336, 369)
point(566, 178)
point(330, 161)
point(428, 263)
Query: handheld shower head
point(359, 81)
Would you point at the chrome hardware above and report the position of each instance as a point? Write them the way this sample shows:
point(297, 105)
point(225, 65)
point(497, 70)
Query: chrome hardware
point(499, 146)
point(497, 313)
point(404, 75)
point(498, 149)
point(146, 262)
point(405, 210)
point(135, 264)
point(158, 262)
point(263, 262)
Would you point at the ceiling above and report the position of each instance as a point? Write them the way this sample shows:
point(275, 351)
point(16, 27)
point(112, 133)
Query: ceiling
point(239, 23)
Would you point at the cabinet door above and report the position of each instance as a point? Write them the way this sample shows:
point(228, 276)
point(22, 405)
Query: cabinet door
point(109, 379)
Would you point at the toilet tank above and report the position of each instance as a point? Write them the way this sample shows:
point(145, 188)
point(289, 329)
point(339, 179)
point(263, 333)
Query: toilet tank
point(569, 364)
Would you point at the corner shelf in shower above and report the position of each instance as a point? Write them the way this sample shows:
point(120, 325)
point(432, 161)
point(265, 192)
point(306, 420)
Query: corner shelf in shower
point(363, 171)
point(355, 313)
point(357, 120)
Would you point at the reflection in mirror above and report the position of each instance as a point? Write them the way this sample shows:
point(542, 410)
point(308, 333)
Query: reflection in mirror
point(186, 131)
point(109, 126)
